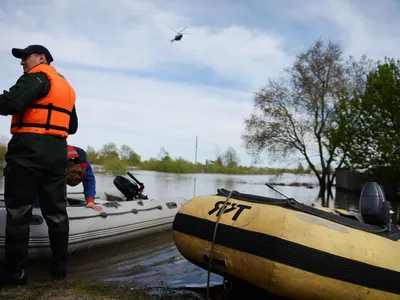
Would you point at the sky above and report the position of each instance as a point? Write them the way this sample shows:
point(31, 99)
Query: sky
point(135, 87)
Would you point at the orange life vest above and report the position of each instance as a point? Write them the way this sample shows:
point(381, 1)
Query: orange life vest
point(50, 114)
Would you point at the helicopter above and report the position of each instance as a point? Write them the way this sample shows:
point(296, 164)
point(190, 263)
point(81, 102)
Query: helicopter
point(179, 34)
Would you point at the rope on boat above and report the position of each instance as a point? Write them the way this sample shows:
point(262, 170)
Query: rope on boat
point(293, 203)
point(213, 242)
point(331, 217)
point(105, 215)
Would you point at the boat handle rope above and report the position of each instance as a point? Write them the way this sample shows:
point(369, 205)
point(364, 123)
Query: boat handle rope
point(105, 215)
point(297, 205)
point(213, 243)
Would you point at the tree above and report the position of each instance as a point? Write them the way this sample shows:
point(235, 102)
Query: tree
point(164, 154)
point(124, 152)
point(230, 158)
point(129, 155)
point(371, 122)
point(92, 155)
point(300, 168)
point(109, 151)
point(217, 157)
point(297, 114)
point(134, 159)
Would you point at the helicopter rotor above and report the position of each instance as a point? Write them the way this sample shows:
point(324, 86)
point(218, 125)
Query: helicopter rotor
point(179, 34)
point(172, 29)
point(183, 29)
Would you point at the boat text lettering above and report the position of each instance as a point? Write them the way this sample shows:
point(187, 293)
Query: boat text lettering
point(233, 206)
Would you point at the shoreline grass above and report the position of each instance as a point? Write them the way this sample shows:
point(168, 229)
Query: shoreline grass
point(84, 290)
point(110, 290)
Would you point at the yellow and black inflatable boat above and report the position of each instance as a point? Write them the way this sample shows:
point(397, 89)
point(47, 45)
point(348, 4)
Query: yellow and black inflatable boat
point(294, 250)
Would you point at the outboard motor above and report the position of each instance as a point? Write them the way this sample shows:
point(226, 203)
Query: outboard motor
point(374, 208)
point(128, 188)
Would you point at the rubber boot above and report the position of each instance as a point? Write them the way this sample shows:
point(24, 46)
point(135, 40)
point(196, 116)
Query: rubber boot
point(16, 252)
point(59, 247)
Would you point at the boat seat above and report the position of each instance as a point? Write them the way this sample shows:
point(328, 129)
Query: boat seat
point(373, 206)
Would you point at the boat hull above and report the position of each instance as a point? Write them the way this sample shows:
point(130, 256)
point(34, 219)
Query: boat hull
point(288, 252)
point(116, 223)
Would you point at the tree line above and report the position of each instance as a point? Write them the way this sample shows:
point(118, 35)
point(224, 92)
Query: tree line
point(342, 110)
point(118, 159)
point(125, 153)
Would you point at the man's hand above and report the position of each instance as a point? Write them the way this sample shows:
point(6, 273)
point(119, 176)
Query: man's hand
point(90, 204)
point(93, 206)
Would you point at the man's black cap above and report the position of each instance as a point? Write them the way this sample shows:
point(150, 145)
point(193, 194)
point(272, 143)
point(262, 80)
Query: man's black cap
point(32, 49)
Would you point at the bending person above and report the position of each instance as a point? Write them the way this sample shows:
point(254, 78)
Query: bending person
point(80, 170)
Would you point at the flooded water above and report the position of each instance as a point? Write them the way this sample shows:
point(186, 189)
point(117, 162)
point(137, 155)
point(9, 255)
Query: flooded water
point(154, 260)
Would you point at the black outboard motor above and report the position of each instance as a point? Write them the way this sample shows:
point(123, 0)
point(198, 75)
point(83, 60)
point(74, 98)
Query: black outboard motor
point(130, 189)
point(374, 207)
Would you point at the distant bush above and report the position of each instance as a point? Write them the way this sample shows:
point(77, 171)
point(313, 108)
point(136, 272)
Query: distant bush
point(181, 165)
point(170, 166)
point(114, 165)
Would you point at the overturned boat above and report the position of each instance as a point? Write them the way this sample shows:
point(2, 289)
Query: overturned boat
point(294, 250)
point(136, 216)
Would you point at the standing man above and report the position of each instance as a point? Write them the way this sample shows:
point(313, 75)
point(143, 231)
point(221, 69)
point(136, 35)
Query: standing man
point(42, 105)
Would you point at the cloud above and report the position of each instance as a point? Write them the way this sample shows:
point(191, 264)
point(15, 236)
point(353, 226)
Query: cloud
point(161, 112)
point(136, 87)
point(148, 114)
point(362, 27)
point(135, 36)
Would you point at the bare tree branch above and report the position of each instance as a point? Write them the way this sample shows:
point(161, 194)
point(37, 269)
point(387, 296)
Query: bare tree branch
point(296, 112)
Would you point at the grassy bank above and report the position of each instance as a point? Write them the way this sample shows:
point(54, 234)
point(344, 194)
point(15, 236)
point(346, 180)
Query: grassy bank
point(101, 290)
point(81, 290)
point(182, 166)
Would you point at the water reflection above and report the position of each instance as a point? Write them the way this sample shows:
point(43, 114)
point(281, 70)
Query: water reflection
point(346, 201)
point(194, 186)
